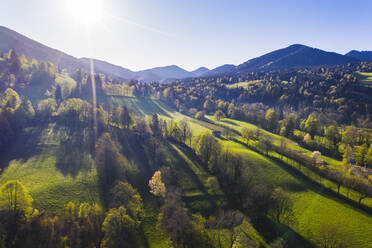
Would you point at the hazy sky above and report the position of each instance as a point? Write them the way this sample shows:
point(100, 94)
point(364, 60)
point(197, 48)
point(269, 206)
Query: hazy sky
point(139, 34)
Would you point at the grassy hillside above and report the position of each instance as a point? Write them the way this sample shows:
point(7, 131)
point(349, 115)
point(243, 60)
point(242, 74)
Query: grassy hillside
point(312, 205)
point(365, 78)
point(40, 166)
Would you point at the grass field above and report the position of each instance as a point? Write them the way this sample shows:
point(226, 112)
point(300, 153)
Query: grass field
point(36, 165)
point(364, 78)
point(242, 84)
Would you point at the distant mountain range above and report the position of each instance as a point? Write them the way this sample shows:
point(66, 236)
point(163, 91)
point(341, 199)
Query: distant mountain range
point(294, 56)
point(360, 55)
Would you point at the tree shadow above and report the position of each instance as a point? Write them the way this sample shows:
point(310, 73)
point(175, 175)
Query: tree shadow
point(74, 151)
point(293, 187)
point(24, 146)
point(230, 122)
point(205, 204)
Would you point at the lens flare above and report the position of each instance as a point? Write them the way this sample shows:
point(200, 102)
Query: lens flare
point(86, 13)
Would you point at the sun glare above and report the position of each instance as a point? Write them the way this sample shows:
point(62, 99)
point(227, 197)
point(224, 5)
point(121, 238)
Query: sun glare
point(86, 13)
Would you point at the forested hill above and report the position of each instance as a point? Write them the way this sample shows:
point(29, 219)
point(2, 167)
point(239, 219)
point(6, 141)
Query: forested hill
point(360, 55)
point(294, 56)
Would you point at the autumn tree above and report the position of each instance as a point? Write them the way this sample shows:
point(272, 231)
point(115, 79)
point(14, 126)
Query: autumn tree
point(157, 187)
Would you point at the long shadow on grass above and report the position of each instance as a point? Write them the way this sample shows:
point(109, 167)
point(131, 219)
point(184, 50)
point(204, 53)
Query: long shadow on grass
point(23, 147)
point(230, 122)
point(74, 152)
point(212, 206)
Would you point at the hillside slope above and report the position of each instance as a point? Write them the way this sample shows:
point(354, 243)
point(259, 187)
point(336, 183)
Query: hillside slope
point(296, 55)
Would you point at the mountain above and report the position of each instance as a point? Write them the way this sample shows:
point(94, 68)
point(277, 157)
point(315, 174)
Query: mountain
point(10, 39)
point(200, 71)
point(219, 70)
point(107, 68)
point(360, 55)
point(294, 56)
point(163, 73)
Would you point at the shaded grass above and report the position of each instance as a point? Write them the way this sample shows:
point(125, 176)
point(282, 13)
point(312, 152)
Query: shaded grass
point(38, 171)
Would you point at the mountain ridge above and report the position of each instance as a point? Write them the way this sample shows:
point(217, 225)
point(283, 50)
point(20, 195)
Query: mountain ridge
point(293, 56)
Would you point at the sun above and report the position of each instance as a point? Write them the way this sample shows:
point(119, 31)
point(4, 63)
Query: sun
point(85, 13)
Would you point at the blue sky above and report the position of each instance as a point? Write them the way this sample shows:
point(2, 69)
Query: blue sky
point(139, 34)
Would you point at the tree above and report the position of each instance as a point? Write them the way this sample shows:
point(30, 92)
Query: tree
point(265, 144)
point(226, 225)
point(271, 119)
point(331, 134)
point(361, 155)
point(174, 219)
point(348, 152)
point(330, 236)
point(206, 146)
point(109, 162)
point(123, 194)
point(14, 197)
point(219, 115)
point(369, 156)
point(186, 133)
point(155, 127)
point(209, 106)
point(118, 228)
point(157, 187)
point(308, 140)
point(312, 125)
point(281, 207)
point(14, 62)
point(247, 134)
point(126, 119)
point(349, 136)
point(10, 99)
point(316, 156)
point(200, 115)
point(58, 94)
